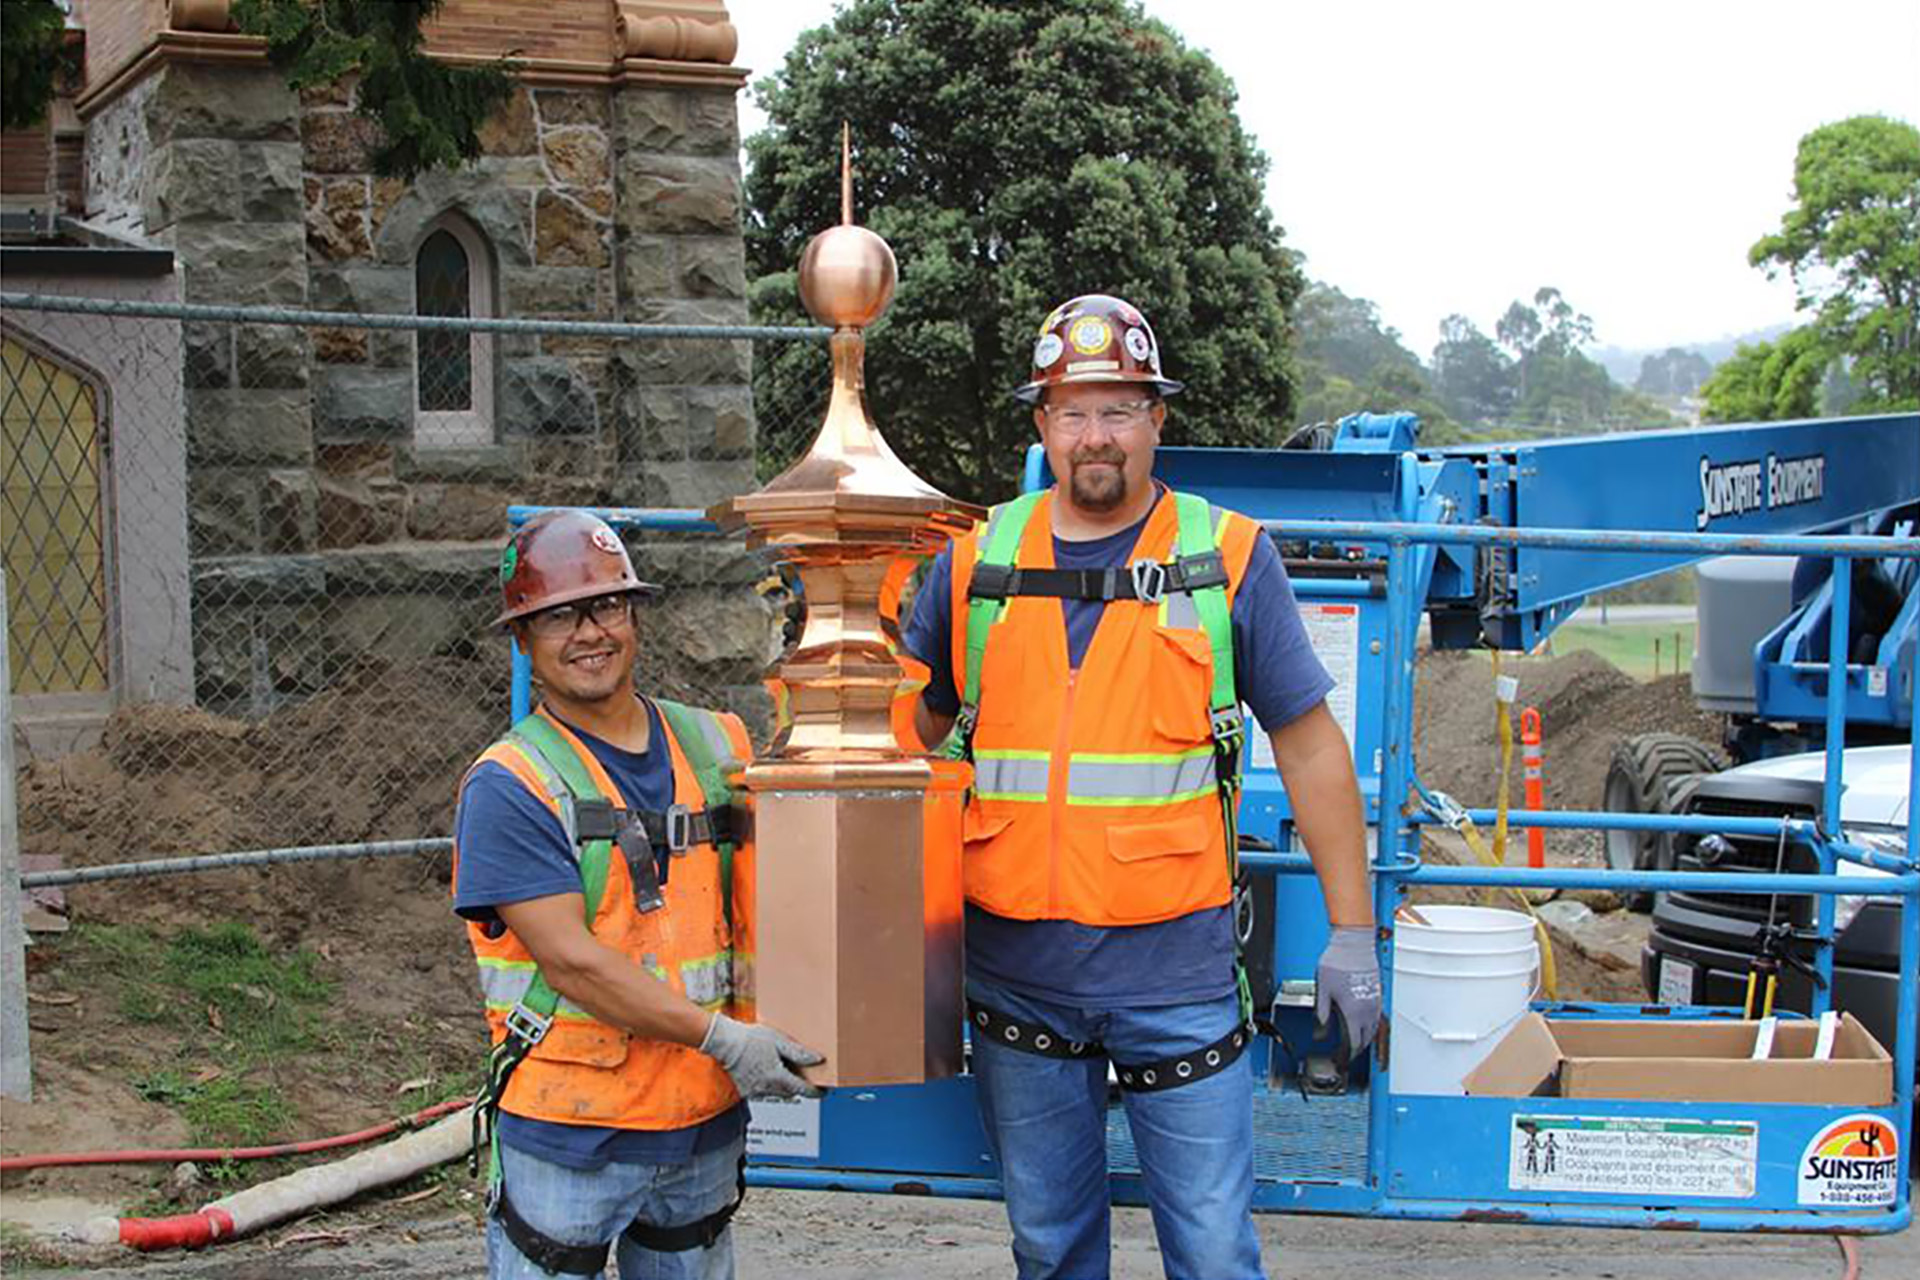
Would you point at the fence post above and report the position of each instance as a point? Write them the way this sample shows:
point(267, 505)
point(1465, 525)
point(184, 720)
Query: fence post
point(16, 1062)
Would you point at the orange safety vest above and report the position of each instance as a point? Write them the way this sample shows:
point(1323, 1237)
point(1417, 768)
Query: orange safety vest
point(584, 1071)
point(1096, 796)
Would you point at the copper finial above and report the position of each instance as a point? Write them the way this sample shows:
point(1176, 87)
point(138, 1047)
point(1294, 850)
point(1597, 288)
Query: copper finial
point(846, 174)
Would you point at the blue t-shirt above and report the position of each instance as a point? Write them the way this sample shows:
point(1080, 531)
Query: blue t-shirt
point(1178, 961)
point(513, 849)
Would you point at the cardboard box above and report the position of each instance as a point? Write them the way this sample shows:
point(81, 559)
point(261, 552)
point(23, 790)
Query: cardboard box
point(1683, 1062)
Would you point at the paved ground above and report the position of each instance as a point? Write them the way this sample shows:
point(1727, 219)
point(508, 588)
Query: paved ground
point(826, 1236)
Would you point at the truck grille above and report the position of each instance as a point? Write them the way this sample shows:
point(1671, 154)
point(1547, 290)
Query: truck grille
point(1750, 853)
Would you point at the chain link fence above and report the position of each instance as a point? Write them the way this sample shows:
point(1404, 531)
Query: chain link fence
point(251, 554)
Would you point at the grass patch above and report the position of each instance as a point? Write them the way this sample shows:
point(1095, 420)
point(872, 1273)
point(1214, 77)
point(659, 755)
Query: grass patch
point(219, 1109)
point(230, 1004)
point(1643, 650)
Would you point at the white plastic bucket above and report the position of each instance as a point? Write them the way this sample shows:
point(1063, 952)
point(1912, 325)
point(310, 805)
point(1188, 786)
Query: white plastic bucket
point(1460, 981)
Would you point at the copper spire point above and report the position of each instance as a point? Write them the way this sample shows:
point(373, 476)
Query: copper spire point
point(846, 174)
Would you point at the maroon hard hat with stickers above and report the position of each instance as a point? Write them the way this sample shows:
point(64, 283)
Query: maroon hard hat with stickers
point(1095, 338)
point(562, 556)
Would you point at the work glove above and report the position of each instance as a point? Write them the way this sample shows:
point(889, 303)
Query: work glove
point(759, 1059)
point(1348, 980)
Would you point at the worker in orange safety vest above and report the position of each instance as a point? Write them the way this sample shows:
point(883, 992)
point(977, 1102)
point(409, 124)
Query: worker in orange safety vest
point(1089, 650)
point(599, 861)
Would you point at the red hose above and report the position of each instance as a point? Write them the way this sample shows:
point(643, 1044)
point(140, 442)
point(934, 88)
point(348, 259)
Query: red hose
point(182, 1231)
point(11, 1164)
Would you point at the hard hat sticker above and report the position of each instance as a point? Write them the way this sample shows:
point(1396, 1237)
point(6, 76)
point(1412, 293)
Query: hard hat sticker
point(1090, 335)
point(509, 558)
point(1139, 346)
point(603, 538)
point(1047, 350)
point(1851, 1163)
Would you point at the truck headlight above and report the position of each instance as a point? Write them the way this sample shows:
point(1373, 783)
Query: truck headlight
point(1847, 905)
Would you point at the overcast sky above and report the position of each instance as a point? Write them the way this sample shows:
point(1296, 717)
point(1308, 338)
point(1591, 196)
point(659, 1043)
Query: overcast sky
point(1452, 157)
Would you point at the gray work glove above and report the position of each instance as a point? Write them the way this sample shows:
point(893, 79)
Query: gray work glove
point(1348, 979)
point(760, 1059)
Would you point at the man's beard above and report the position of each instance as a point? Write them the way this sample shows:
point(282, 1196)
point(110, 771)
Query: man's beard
point(1097, 488)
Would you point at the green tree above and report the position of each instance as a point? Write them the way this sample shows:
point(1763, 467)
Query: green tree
point(32, 57)
point(1851, 243)
point(430, 112)
point(1474, 379)
point(1349, 363)
point(1677, 371)
point(1015, 155)
point(1769, 381)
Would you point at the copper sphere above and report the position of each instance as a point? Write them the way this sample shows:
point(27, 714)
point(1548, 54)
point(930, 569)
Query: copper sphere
point(847, 276)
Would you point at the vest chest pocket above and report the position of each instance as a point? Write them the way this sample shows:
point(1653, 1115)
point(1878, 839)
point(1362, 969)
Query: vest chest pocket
point(1182, 683)
point(1165, 868)
point(587, 1044)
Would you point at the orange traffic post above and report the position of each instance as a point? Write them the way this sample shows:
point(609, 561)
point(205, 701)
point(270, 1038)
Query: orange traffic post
point(1536, 792)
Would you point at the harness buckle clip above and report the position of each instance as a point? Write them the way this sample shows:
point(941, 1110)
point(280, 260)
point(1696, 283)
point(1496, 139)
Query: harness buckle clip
point(527, 1025)
point(1229, 727)
point(1149, 580)
point(679, 829)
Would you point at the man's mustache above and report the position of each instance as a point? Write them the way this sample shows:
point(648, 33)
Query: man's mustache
point(1113, 456)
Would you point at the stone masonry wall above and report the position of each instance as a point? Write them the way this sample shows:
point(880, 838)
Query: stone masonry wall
point(322, 535)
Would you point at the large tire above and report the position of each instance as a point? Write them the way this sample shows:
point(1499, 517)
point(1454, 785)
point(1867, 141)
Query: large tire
point(1642, 779)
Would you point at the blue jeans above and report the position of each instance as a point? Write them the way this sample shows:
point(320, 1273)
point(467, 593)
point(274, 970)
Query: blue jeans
point(1046, 1119)
point(576, 1207)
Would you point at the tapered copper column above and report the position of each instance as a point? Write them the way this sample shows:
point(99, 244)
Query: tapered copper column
point(857, 924)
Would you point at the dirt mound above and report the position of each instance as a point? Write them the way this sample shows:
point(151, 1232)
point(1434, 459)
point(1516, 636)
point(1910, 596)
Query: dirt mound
point(1587, 706)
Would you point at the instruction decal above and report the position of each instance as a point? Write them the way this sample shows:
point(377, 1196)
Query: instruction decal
point(784, 1127)
point(1334, 630)
point(1852, 1163)
point(1662, 1156)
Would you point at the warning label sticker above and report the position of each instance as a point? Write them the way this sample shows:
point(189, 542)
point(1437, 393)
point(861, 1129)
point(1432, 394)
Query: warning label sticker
point(1653, 1156)
point(1851, 1163)
point(784, 1127)
point(1334, 630)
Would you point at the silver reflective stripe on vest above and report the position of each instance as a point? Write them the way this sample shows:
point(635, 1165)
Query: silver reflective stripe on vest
point(1010, 775)
point(504, 984)
point(708, 982)
point(1178, 610)
point(719, 747)
point(1116, 779)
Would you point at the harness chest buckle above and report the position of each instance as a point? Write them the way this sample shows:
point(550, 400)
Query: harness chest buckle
point(679, 828)
point(527, 1025)
point(1149, 580)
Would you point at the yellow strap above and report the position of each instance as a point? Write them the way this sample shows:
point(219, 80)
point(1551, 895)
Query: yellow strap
point(1549, 975)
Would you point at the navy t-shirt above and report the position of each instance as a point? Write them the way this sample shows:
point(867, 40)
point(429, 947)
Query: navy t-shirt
point(513, 849)
point(1178, 961)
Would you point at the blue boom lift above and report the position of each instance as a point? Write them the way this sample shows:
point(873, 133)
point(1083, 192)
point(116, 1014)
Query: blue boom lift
point(1497, 545)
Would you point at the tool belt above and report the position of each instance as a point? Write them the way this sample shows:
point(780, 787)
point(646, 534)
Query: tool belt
point(550, 1255)
point(1135, 1077)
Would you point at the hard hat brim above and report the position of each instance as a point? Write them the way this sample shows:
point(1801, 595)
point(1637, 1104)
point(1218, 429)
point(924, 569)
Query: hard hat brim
point(1032, 391)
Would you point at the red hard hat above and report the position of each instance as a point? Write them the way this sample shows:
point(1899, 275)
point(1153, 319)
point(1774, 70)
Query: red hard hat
point(560, 556)
point(1095, 338)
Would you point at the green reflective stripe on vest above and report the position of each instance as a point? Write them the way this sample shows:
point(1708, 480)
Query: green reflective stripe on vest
point(1011, 775)
point(1141, 780)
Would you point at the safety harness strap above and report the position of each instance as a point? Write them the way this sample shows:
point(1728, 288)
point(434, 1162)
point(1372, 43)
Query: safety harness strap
point(559, 767)
point(1136, 1077)
point(690, 1235)
point(1144, 580)
point(542, 1250)
point(710, 756)
point(1002, 545)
